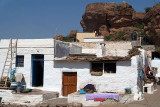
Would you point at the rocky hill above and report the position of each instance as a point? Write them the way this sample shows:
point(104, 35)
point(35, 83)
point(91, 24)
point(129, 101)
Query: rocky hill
point(109, 18)
point(152, 24)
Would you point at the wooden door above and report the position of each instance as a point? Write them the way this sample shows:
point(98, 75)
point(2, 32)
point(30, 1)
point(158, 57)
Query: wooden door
point(69, 83)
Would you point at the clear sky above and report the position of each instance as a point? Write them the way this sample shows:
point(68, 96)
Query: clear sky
point(45, 18)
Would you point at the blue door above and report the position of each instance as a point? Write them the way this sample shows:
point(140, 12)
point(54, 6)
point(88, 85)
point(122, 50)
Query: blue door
point(37, 70)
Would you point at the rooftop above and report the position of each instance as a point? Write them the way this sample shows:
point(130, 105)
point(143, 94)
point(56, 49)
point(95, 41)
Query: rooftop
point(96, 37)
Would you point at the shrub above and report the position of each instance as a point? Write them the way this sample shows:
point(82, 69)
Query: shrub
point(121, 33)
point(67, 39)
point(109, 37)
point(147, 9)
point(138, 25)
point(142, 34)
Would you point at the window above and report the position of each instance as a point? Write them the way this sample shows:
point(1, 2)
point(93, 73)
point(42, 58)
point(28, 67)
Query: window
point(103, 67)
point(20, 61)
point(109, 67)
point(155, 55)
point(97, 67)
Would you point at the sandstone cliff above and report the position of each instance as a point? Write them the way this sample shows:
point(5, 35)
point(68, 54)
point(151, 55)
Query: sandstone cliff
point(152, 25)
point(108, 18)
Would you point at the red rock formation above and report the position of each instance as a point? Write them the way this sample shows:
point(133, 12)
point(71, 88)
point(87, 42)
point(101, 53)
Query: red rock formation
point(72, 34)
point(103, 17)
point(152, 24)
point(59, 37)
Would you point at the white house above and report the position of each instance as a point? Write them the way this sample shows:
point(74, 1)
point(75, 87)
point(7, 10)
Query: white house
point(67, 67)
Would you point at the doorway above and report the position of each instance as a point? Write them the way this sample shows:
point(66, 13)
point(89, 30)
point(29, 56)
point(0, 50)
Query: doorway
point(69, 83)
point(37, 70)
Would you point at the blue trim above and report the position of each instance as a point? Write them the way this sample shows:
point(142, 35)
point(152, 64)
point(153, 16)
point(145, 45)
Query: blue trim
point(38, 59)
point(17, 61)
point(32, 68)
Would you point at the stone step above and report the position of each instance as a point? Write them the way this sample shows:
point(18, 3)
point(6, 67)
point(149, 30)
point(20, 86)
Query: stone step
point(51, 95)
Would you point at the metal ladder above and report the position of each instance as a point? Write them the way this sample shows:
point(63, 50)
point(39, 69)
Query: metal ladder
point(8, 62)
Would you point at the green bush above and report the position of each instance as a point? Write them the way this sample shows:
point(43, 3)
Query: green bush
point(109, 37)
point(67, 39)
point(142, 34)
point(121, 33)
point(138, 25)
point(147, 9)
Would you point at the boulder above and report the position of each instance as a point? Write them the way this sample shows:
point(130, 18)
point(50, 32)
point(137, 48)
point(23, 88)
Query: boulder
point(152, 24)
point(102, 17)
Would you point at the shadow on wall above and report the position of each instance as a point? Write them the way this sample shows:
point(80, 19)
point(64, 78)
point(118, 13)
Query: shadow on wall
point(125, 63)
point(61, 49)
point(72, 65)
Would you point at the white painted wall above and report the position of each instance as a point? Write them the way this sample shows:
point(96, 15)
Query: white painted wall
point(93, 39)
point(126, 74)
point(27, 47)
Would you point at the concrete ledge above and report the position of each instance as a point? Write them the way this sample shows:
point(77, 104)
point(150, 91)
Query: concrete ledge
point(50, 95)
point(28, 99)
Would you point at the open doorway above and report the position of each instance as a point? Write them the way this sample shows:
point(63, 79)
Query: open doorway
point(37, 70)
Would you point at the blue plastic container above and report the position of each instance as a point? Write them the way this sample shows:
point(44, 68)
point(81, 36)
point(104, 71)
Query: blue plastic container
point(12, 74)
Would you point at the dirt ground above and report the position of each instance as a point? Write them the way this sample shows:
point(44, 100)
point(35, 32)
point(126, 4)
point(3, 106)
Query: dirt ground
point(150, 100)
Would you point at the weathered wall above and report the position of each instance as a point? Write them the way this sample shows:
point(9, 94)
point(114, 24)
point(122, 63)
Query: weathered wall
point(85, 45)
point(63, 49)
point(117, 48)
point(126, 76)
point(74, 49)
point(112, 48)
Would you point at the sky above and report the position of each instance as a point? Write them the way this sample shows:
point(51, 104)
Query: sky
point(34, 19)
